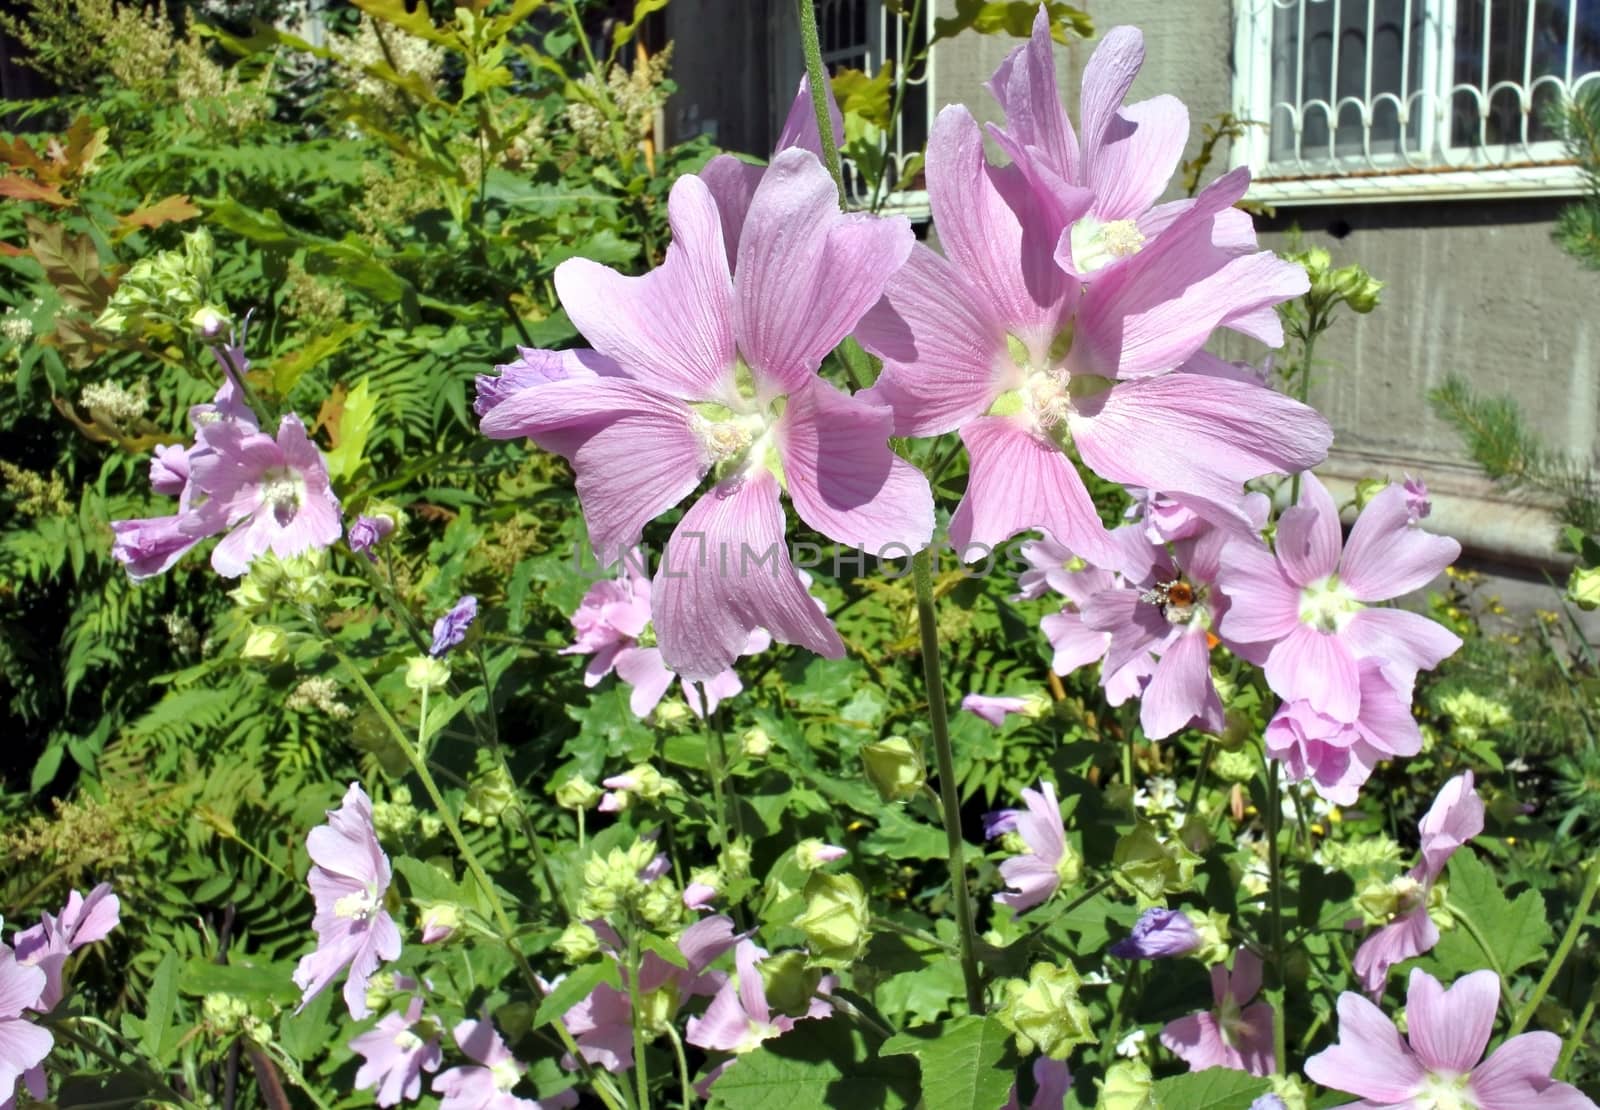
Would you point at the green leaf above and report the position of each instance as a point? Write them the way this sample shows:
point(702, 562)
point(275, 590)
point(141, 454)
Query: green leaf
point(575, 988)
point(864, 96)
point(1516, 932)
point(287, 369)
point(1012, 17)
point(355, 425)
point(427, 883)
point(899, 837)
point(818, 1063)
point(968, 1064)
point(626, 31)
point(253, 982)
point(1212, 1089)
point(158, 1012)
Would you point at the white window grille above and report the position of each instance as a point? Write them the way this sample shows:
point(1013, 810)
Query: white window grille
point(1386, 99)
point(863, 34)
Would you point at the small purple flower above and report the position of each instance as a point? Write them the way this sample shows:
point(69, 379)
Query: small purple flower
point(488, 1087)
point(367, 533)
point(23, 1045)
point(998, 822)
point(994, 709)
point(1233, 1033)
point(1158, 933)
point(349, 879)
point(47, 945)
point(396, 1052)
point(1052, 1080)
point(1038, 873)
point(451, 629)
point(1417, 503)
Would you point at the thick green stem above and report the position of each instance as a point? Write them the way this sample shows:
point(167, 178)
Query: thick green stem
point(684, 1079)
point(950, 801)
point(1274, 821)
point(419, 767)
point(641, 1072)
point(815, 77)
point(1580, 917)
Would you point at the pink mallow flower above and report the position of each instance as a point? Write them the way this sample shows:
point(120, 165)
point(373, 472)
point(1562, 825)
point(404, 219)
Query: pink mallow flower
point(1006, 337)
point(1052, 1079)
point(23, 1045)
point(84, 920)
point(740, 1018)
point(1235, 1033)
point(1455, 817)
point(1314, 600)
point(1438, 1063)
point(349, 881)
point(701, 371)
point(614, 630)
point(1073, 642)
point(1038, 873)
point(602, 1023)
point(1338, 756)
point(396, 1052)
point(995, 708)
point(489, 1087)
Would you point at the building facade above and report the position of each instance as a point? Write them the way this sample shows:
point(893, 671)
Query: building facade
point(1410, 136)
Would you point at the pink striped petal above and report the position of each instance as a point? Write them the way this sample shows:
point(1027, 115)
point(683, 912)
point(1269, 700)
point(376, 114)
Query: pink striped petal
point(1309, 537)
point(807, 272)
point(1517, 1075)
point(1318, 667)
point(1449, 1029)
point(673, 327)
point(1181, 693)
point(733, 184)
point(1402, 939)
point(1106, 81)
point(725, 573)
point(1404, 642)
point(1370, 1060)
point(1264, 606)
point(1129, 172)
point(842, 477)
point(1025, 87)
point(1388, 555)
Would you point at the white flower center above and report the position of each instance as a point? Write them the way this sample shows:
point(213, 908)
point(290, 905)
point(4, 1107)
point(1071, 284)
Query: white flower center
point(1444, 1092)
point(1095, 245)
point(1047, 398)
point(282, 492)
point(407, 1041)
point(359, 906)
point(506, 1074)
point(1327, 605)
point(727, 437)
point(755, 1032)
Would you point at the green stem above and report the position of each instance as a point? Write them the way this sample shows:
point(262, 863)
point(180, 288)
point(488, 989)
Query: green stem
point(815, 77)
point(1303, 384)
point(1200, 774)
point(1570, 1048)
point(921, 935)
point(950, 801)
point(641, 1072)
point(1466, 922)
point(684, 1079)
point(419, 767)
point(1274, 820)
point(154, 1082)
point(902, 71)
point(1580, 916)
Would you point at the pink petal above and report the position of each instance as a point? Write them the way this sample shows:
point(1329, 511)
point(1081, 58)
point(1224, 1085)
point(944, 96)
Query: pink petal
point(1370, 1060)
point(1318, 667)
point(1032, 880)
point(733, 184)
point(1025, 86)
point(1018, 482)
point(1388, 555)
point(1245, 979)
point(1074, 643)
point(806, 272)
point(1309, 536)
point(1106, 81)
point(842, 477)
point(23, 1045)
point(673, 327)
point(1041, 827)
point(1197, 1040)
point(725, 573)
point(1128, 174)
point(1517, 1073)
point(800, 125)
point(943, 350)
point(1263, 604)
point(650, 678)
point(1404, 642)
point(1455, 817)
point(1405, 937)
point(1187, 434)
point(20, 985)
point(1386, 719)
point(1181, 692)
point(1449, 1029)
point(994, 233)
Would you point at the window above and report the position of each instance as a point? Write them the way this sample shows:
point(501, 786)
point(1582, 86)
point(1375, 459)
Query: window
point(1379, 99)
point(863, 34)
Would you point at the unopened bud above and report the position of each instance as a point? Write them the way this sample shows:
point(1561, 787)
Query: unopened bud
point(577, 793)
point(439, 922)
point(813, 853)
point(835, 918)
point(1128, 1085)
point(790, 982)
point(424, 672)
point(756, 743)
point(895, 768)
point(266, 643)
point(1583, 588)
point(209, 324)
point(1045, 1013)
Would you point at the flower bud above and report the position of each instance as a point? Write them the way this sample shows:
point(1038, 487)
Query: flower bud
point(577, 792)
point(1128, 1085)
point(790, 981)
point(266, 643)
point(423, 672)
point(1045, 1013)
point(1358, 288)
point(813, 853)
point(756, 743)
point(835, 918)
point(1367, 489)
point(704, 885)
point(736, 859)
point(209, 324)
point(489, 794)
point(1215, 943)
point(439, 922)
point(577, 942)
point(672, 714)
point(1236, 766)
point(1583, 588)
point(1148, 867)
point(894, 768)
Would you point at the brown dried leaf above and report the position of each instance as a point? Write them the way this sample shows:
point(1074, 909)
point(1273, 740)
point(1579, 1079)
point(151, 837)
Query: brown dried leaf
point(25, 188)
point(71, 262)
point(167, 210)
point(330, 414)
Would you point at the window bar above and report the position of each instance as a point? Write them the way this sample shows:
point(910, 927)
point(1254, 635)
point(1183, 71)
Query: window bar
point(1300, 90)
point(1483, 85)
point(1405, 82)
point(1367, 111)
point(1572, 42)
point(1333, 85)
point(1525, 94)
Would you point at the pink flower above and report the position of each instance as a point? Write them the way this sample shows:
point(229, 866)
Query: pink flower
point(1052, 1080)
point(1007, 339)
point(396, 1052)
point(489, 1087)
point(995, 709)
point(84, 920)
point(739, 1017)
point(714, 373)
point(602, 1023)
point(273, 493)
point(23, 1045)
point(1234, 1034)
point(613, 626)
point(349, 880)
point(1338, 756)
point(367, 533)
point(450, 630)
point(1455, 817)
point(1073, 641)
point(1437, 1063)
point(1417, 503)
point(1037, 874)
point(1313, 601)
